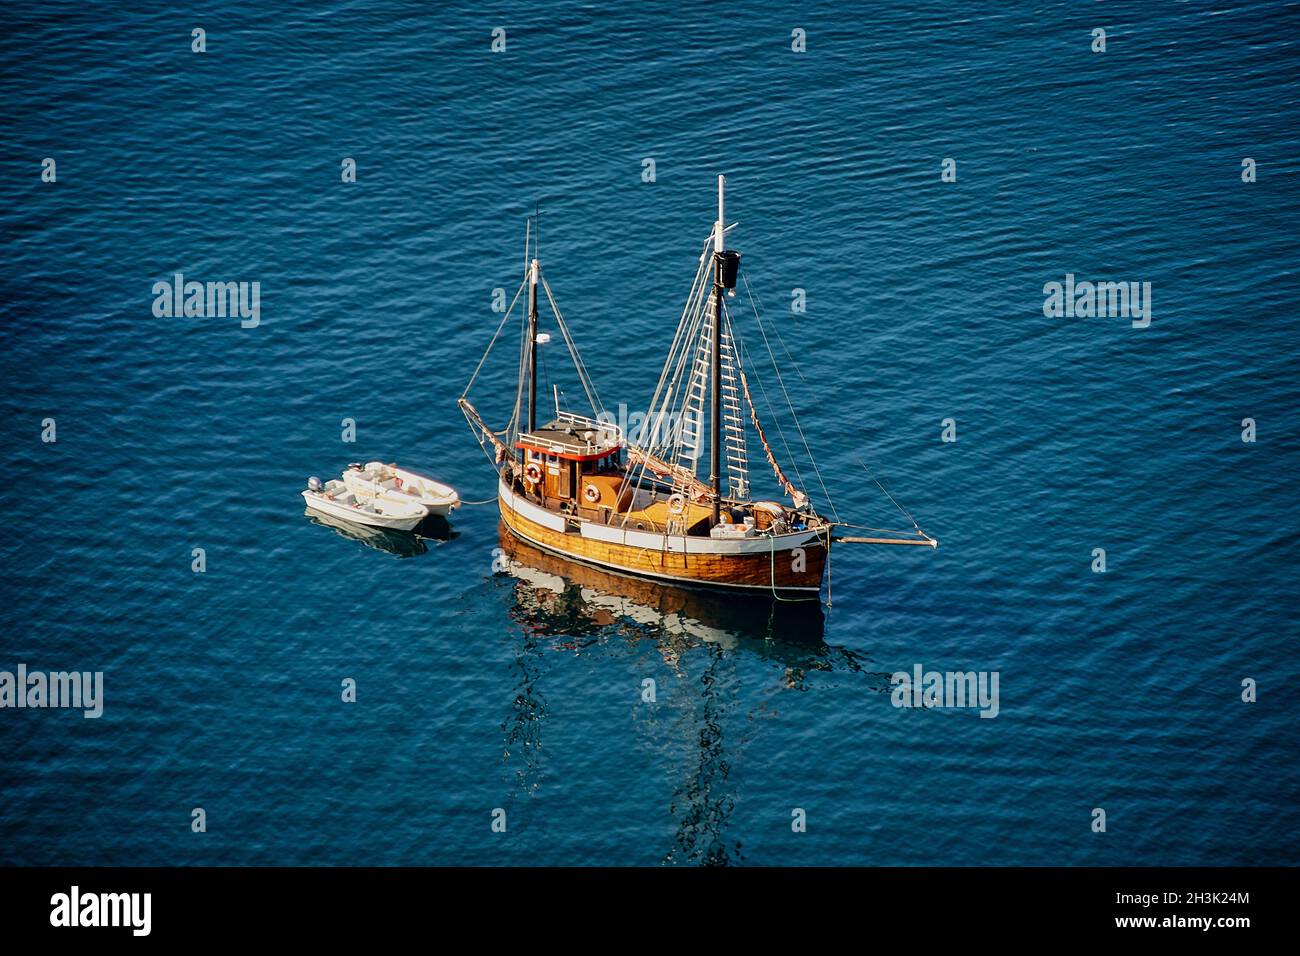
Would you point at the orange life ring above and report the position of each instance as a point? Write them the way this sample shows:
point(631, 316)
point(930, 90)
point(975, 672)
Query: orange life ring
point(532, 474)
point(591, 493)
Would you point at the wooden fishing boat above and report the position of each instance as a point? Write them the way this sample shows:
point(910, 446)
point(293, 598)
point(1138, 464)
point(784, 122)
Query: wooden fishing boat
point(580, 487)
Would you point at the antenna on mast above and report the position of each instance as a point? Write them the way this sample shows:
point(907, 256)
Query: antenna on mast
point(722, 224)
point(533, 271)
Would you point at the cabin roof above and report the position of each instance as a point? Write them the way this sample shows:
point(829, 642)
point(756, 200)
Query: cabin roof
point(574, 437)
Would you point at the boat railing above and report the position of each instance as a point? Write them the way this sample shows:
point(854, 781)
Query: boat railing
point(606, 436)
point(596, 424)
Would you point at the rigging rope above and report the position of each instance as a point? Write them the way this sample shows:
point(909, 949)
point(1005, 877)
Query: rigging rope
point(522, 374)
point(587, 385)
point(664, 402)
point(906, 514)
point(779, 337)
point(500, 326)
point(780, 379)
point(787, 485)
point(775, 594)
point(772, 417)
point(677, 336)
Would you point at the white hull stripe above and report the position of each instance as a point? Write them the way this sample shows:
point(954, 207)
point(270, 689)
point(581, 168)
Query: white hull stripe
point(656, 541)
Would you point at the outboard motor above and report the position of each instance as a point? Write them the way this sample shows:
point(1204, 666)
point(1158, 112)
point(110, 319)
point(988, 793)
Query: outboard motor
point(313, 484)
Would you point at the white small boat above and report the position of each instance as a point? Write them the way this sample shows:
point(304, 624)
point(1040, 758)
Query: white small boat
point(390, 483)
point(335, 499)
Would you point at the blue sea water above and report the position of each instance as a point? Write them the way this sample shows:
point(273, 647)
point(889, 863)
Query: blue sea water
point(479, 689)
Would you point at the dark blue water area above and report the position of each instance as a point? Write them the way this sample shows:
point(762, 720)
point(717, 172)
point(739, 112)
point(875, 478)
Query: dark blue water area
point(504, 679)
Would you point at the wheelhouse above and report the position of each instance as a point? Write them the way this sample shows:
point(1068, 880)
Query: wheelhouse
point(573, 459)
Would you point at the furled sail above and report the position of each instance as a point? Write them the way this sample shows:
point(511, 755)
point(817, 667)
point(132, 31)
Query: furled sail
point(687, 480)
point(485, 433)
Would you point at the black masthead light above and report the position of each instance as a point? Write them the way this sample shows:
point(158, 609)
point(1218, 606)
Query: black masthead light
point(728, 267)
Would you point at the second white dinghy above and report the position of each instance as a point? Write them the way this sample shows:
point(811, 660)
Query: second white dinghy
point(390, 483)
point(337, 500)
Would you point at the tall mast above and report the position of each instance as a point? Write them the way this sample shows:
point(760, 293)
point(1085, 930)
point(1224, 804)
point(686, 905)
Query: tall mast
point(726, 266)
point(533, 271)
point(715, 435)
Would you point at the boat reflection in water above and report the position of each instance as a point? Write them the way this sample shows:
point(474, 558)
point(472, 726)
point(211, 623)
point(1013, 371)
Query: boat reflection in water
point(559, 596)
point(706, 638)
point(404, 544)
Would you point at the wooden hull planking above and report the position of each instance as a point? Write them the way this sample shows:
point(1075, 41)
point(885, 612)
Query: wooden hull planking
point(771, 565)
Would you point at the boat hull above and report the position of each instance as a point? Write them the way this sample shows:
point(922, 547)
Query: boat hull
point(659, 609)
point(399, 543)
point(400, 522)
point(438, 498)
point(790, 565)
